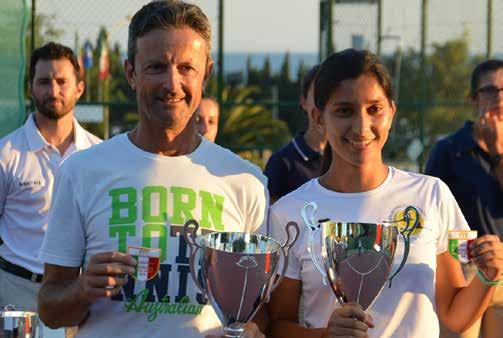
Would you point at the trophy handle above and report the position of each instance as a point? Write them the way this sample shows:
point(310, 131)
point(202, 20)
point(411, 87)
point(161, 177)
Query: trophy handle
point(313, 228)
point(40, 328)
point(189, 234)
point(285, 250)
point(409, 228)
point(310, 221)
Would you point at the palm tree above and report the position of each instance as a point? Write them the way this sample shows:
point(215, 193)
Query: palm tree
point(248, 127)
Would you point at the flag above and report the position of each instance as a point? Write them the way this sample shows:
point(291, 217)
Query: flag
point(78, 54)
point(104, 61)
point(88, 55)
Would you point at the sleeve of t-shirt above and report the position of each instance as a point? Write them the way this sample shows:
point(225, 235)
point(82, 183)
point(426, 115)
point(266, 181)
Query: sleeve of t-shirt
point(277, 231)
point(450, 216)
point(64, 241)
point(258, 205)
point(276, 170)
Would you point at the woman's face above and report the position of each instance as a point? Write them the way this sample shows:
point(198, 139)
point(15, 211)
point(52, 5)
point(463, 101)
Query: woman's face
point(357, 119)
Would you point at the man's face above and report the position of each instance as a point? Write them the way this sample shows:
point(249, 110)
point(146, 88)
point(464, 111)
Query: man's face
point(169, 75)
point(489, 96)
point(55, 89)
point(207, 119)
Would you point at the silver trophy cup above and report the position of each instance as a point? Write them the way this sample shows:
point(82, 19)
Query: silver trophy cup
point(19, 324)
point(237, 271)
point(357, 258)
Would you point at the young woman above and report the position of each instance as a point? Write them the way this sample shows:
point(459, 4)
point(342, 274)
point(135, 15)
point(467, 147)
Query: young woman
point(354, 108)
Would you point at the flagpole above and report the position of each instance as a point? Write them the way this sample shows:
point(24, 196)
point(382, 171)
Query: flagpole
point(100, 90)
point(104, 76)
point(106, 109)
point(88, 87)
point(87, 60)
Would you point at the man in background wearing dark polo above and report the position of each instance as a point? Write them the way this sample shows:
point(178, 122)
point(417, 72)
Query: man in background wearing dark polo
point(301, 159)
point(470, 162)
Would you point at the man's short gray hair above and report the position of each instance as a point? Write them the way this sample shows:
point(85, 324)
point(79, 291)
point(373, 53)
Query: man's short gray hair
point(167, 14)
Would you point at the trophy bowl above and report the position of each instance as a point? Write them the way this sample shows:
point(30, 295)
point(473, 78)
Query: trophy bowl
point(237, 271)
point(17, 324)
point(356, 258)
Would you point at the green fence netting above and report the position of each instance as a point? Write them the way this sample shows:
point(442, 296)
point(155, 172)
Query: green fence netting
point(13, 21)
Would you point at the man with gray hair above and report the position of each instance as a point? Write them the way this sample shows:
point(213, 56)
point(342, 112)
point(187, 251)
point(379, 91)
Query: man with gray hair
point(121, 206)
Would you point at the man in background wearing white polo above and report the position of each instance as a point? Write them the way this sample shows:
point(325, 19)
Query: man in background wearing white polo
point(29, 157)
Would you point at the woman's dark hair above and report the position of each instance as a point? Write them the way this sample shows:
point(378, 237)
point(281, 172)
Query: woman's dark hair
point(307, 80)
point(341, 66)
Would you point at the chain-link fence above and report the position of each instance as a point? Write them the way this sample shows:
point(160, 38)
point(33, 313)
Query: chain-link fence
point(431, 90)
point(430, 47)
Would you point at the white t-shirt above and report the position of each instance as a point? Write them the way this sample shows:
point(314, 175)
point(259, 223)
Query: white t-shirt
point(116, 195)
point(27, 167)
point(407, 309)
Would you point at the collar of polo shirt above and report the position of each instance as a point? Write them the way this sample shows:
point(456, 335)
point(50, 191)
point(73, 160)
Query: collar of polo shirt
point(37, 142)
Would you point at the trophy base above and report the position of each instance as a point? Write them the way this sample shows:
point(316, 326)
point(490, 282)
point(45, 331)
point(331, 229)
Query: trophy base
point(234, 330)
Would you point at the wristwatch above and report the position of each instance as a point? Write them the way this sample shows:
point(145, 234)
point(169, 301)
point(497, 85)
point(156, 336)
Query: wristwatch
point(496, 159)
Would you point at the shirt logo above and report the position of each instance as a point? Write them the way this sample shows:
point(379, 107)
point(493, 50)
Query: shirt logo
point(148, 262)
point(30, 183)
point(408, 218)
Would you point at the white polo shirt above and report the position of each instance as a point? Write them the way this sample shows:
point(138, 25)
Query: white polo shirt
point(28, 164)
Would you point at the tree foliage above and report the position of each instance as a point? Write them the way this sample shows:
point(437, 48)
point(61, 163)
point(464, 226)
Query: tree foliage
point(440, 92)
point(45, 30)
point(247, 127)
point(246, 124)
